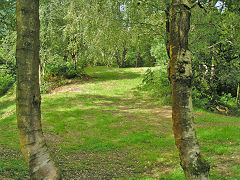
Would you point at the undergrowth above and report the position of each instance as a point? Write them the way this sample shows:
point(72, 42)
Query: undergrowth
point(155, 81)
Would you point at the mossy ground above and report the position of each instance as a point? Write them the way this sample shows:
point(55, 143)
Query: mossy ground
point(105, 128)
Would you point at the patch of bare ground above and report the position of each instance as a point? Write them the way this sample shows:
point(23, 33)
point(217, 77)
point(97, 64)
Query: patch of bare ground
point(76, 87)
point(161, 166)
point(215, 124)
point(111, 165)
point(109, 104)
point(7, 113)
point(88, 165)
point(6, 154)
point(223, 164)
point(108, 84)
point(159, 169)
point(197, 114)
point(71, 85)
point(52, 138)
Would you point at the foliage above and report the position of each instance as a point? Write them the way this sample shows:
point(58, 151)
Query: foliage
point(8, 51)
point(215, 44)
point(156, 82)
point(6, 81)
point(7, 17)
point(64, 69)
point(7, 62)
point(158, 50)
point(130, 34)
point(99, 32)
point(94, 32)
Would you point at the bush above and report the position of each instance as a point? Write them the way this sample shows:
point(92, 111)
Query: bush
point(200, 99)
point(64, 69)
point(156, 82)
point(6, 81)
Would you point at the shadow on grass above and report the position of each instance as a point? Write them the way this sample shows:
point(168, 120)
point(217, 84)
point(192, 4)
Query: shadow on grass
point(105, 137)
point(5, 104)
point(103, 74)
point(101, 101)
point(105, 119)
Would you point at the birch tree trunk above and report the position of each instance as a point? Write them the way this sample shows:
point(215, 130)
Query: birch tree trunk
point(33, 144)
point(180, 74)
point(237, 93)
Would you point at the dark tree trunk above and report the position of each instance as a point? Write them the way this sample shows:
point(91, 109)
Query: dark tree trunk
point(180, 74)
point(65, 57)
point(74, 58)
point(33, 143)
point(139, 58)
point(167, 38)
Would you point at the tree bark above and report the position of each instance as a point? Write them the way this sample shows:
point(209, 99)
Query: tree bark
point(33, 144)
point(180, 74)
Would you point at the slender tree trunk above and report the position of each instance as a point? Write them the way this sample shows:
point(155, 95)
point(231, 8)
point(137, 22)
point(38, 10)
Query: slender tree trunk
point(74, 58)
point(167, 39)
point(124, 53)
point(194, 166)
point(139, 58)
point(65, 57)
point(237, 93)
point(33, 144)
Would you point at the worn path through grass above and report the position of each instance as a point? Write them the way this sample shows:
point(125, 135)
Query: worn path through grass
point(107, 123)
point(104, 128)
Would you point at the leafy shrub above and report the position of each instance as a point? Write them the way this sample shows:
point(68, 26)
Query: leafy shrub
point(200, 99)
point(6, 81)
point(64, 69)
point(158, 51)
point(156, 82)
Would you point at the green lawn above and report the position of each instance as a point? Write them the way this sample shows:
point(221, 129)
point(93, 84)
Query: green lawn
point(105, 128)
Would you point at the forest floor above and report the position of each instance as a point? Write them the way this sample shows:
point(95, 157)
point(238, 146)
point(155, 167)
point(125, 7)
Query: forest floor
point(105, 128)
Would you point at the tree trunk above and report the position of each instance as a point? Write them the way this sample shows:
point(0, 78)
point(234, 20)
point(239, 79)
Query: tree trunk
point(33, 144)
point(124, 53)
point(139, 58)
point(74, 58)
point(180, 74)
point(167, 39)
point(237, 93)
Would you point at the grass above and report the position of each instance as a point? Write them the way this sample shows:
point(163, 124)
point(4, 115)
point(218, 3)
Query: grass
point(105, 128)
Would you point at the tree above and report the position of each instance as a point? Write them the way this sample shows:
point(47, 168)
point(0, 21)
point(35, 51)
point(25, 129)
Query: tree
point(180, 73)
point(216, 47)
point(7, 44)
point(7, 17)
point(33, 144)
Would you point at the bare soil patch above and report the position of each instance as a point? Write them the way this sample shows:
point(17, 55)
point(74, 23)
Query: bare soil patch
point(87, 165)
point(7, 113)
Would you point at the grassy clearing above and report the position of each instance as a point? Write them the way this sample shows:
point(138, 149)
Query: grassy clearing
point(105, 128)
